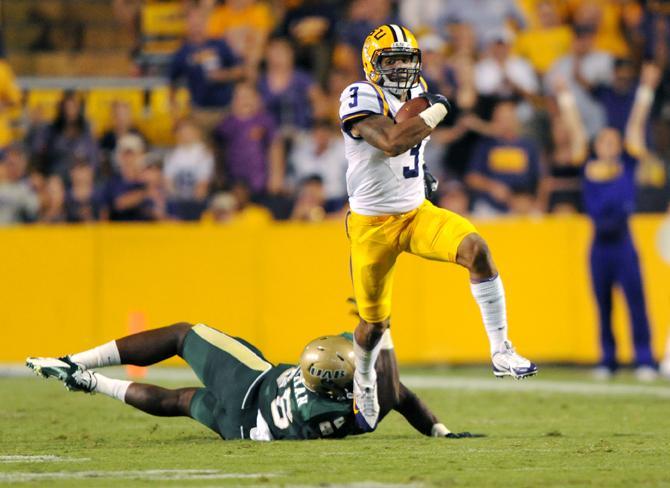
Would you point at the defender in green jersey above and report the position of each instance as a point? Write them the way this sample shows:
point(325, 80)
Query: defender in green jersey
point(244, 395)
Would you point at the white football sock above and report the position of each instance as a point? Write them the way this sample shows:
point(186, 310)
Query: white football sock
point(111, 387)
point(365, 362)
point(490, 296)
point(386, 341)
point(98, 357)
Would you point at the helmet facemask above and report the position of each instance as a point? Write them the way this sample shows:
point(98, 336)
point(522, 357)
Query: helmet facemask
point(398, 79)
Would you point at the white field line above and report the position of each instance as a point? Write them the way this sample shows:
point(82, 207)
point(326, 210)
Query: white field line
point(425, 381)
point(534, 385)
point(147, 474)
point(47, 458)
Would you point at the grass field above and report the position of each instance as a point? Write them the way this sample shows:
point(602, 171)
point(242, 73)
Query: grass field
point(559, 429)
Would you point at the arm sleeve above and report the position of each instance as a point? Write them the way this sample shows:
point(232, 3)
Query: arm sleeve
point(360, 100)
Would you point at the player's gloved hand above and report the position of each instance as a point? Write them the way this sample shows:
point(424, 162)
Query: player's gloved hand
point(435, 98)
point(430, 183)
point(462, 435)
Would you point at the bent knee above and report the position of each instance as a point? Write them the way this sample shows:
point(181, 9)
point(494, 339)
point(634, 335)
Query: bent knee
point(181, 329)
point(474, 254)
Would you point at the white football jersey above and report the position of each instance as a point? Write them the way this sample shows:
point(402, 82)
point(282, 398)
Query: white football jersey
point(379, 184)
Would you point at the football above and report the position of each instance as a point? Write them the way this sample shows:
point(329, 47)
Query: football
point(411, 108)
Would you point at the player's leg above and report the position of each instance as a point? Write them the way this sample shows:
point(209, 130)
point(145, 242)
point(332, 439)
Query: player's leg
point(159, 401)
point(142, 349)
point(602, 280)
point(630, 278)
point(373, 257)
point(446, 236)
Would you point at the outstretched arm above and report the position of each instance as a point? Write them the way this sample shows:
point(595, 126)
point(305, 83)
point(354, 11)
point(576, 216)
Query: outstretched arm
point(573, 122)
point(644, 97)
point(416, 412)
point(406, 402)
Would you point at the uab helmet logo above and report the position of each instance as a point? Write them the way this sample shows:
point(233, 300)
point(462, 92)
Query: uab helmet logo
point(327, 374)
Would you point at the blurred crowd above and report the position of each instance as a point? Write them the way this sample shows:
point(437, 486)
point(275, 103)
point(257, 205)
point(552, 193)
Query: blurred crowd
point(262, 138)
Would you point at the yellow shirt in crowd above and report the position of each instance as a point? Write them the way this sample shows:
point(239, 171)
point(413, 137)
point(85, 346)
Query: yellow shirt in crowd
point(10, 96)
point(542, 47)
point(224, 18)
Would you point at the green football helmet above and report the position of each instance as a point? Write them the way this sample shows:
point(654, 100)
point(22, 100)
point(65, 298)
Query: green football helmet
point(327, 366)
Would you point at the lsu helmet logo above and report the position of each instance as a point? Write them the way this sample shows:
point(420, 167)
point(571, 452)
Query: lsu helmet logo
point(386, 41)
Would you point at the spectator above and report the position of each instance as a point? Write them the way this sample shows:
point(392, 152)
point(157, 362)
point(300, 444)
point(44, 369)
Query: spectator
point(236, 206)
point(189, 170)
point(584, 69)
point(125, 196)
point(362, 17)
point(288, 93)
point(69, 139)
point(609, 197)
point(453, 195)
point(122, 124)
point(561, 191)
point(500, 74)
point(10, 97)
point(310, 201)
point(53, 204)
point(617, 99)
point(210, 68)
point(616, 23)
point(546, 43)
point(434, 70)
point(505, 170)
point(245, 24)
point(321, 153)
point(18, 201)
point(153, 178)
point(310, 24)
point(485, 16)
point(81, 204)
point(249, 140)
point(421, 15)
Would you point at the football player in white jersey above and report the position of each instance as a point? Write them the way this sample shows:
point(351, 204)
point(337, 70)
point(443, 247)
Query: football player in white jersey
point(390, 213)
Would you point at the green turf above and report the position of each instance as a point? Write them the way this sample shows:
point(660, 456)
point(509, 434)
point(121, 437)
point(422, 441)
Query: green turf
point(533, 439)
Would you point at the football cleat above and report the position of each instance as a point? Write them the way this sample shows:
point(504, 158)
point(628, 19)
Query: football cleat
point(81, 380)
point(506, 362)
point(58, 368)
point(366, 406)
point(73, 376)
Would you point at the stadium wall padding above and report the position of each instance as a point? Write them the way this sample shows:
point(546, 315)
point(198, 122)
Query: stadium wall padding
point(67, 288)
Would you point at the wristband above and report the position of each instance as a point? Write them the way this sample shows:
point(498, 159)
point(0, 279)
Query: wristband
point(433, 115)
point(439, 430)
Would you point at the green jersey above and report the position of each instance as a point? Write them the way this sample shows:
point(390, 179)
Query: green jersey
point(294, 412)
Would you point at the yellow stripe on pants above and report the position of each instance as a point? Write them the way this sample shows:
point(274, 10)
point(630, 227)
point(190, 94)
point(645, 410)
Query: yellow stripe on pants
point(232, 347)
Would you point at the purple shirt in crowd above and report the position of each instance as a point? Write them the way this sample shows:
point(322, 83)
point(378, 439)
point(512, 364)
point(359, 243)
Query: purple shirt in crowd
point(290, 107)
point(246, 143)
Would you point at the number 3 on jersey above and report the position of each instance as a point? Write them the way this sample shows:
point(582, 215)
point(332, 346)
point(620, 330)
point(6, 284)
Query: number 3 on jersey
point(408, 172)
